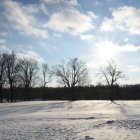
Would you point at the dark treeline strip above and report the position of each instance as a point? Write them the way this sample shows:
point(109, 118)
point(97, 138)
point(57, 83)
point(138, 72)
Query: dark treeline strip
point(24, 73)
point(77, 93)
point(20, 77)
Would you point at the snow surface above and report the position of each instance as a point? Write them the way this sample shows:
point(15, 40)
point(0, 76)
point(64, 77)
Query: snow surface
point(70, 120)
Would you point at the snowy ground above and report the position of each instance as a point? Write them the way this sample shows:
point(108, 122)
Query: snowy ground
point(67, 120)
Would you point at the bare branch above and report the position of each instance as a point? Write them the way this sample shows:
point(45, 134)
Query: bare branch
point(72, 74)
point(110, 73)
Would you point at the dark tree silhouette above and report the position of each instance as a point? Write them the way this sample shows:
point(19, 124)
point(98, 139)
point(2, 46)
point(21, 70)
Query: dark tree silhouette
point(46, 74)
point(28, 74)
point(111, 75)
point(2, 74)
point(73, 73)
point(12, 71)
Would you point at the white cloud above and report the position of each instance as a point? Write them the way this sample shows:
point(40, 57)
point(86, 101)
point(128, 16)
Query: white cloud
point(3, 33)
point(67, 2)
point(107, 25)
point(4, 49)
point(70, 20)
point(58, 35)
point(113, 48)
point(42, 43)
point(21, 18)
point(30, 54)
point(130, 47)
point(97, 3)
point(25, 47)
point(126, 39)
point(86, 37)
point(133, 68)
point(31, 9)
point(2, 41)
point(92, 15)
point(44, 9)
point(106, 50)
point(123, 18)
point(46, 46)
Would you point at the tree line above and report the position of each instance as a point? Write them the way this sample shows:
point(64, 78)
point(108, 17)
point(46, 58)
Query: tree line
point(16, 72)
point(24, 74)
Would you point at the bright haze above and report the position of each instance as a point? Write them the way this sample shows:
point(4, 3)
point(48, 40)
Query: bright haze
point(92, 30)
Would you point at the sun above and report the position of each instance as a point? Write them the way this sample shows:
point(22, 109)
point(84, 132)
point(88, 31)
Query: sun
point(106, 50)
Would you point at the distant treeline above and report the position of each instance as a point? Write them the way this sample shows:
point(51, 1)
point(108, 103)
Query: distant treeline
point(78, 93)
point(24, 79)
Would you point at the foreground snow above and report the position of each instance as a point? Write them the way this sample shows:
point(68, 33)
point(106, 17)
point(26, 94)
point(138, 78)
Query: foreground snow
point(66, 120)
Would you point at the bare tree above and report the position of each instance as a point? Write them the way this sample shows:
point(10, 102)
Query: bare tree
point(12, 70)
point(2, 74)
point(28, 74)
point(46, 74)
point(73, 73)
point(111, 75)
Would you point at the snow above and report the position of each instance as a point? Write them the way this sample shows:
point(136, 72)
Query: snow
point(70, 120)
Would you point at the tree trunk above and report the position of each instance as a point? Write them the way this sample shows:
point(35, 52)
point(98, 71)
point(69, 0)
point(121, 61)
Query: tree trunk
point(44, 94)
point(1, 94)
point(11, 93)
point(28, 93)
point(111, 94)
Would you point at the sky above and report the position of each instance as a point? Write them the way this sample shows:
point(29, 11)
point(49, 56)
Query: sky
point(94, 31)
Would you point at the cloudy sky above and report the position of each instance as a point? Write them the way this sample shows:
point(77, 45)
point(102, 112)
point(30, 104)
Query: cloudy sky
point(92, 30)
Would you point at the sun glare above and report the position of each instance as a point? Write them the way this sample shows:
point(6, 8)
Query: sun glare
point(106, 50)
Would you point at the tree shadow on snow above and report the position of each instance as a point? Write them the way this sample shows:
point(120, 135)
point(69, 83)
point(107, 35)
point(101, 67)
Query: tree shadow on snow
point(81, 118)
point(113, 102)
point(87, 138)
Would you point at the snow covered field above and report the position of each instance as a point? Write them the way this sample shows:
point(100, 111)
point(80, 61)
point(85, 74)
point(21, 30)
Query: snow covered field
point(67, 120)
